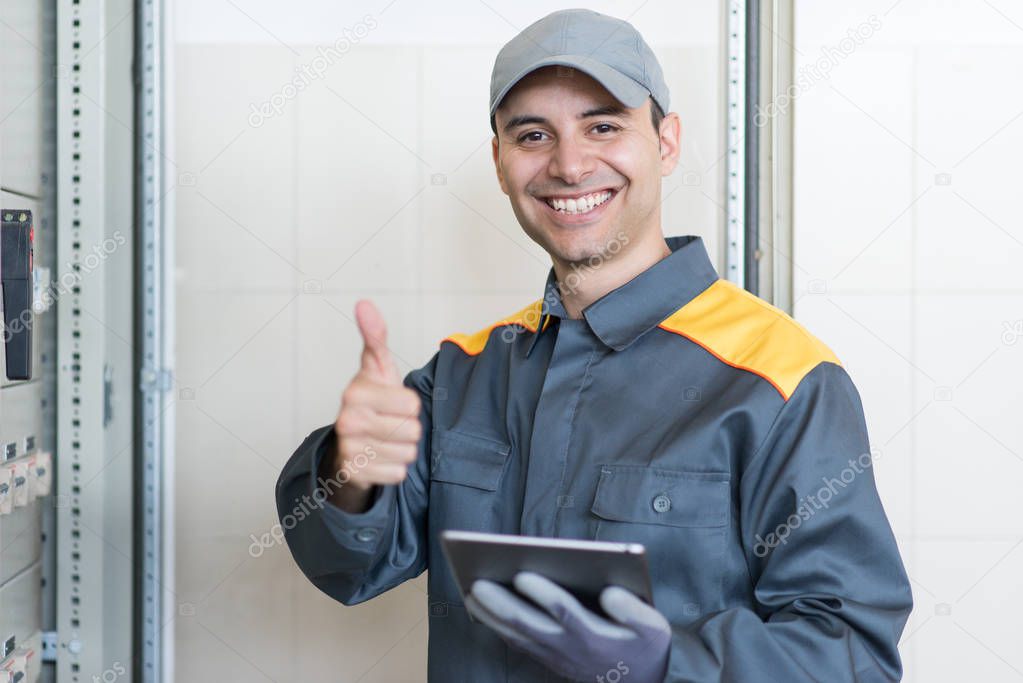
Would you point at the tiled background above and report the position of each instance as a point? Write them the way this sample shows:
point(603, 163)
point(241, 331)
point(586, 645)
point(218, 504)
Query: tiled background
point(377, 181)
point(908, 252)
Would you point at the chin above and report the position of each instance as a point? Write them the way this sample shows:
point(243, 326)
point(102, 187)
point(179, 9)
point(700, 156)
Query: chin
point(580, 246)
point(569, 243)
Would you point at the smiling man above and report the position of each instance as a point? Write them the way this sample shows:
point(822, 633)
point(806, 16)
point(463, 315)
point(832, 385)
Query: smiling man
point(583, 172)
point(641, 399)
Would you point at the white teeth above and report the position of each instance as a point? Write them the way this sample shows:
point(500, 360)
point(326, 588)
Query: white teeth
point(579, 205)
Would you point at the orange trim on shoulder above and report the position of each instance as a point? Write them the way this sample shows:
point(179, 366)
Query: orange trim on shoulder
point(473, 344)
point(744, 331)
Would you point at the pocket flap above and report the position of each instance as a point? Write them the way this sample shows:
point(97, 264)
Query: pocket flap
point(467, 459)
point(650, 495)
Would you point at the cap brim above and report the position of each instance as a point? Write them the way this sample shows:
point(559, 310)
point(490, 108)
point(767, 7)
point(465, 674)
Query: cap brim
point(624, 89)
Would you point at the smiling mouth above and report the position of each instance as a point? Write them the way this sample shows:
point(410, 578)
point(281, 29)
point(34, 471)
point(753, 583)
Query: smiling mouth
point(577, 206)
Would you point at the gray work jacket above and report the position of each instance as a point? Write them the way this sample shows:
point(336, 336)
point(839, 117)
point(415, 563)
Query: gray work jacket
point(680, 412)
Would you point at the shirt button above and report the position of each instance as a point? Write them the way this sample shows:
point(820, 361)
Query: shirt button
point(365, 534)
point(661, 503)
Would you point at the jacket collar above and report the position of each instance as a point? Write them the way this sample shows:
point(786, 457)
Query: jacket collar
point(624, 314)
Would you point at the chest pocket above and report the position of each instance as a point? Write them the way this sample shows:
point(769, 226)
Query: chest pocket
point(467, 459)
point(466, 471)
point(683, 520)
point(649, 495)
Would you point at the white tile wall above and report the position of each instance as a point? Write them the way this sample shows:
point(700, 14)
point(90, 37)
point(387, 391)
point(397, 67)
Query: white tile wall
point(374, 181)
point(854, 232)
point(871, 338)
point(909, 246)
point(236, 204)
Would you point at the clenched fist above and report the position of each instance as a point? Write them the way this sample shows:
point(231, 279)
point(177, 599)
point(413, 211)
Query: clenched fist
point(377, 429)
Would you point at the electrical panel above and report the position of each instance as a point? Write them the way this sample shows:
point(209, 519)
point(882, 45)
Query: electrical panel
point(27, 464)
point(72, 364)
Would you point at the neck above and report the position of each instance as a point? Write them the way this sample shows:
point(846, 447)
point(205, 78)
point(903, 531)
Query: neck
point(582, 283)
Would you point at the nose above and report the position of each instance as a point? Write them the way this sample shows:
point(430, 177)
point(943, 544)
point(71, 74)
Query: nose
point(571, 160)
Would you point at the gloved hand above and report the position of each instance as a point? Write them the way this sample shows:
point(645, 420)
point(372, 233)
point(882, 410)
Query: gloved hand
point(572, 640)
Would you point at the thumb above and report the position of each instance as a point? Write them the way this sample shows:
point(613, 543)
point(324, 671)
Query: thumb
point(376, 358)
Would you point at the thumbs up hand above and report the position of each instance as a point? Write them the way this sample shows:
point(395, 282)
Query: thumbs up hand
point(377, 363)
point(377, 427)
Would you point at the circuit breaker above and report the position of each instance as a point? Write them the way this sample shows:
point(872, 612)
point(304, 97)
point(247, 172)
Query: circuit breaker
point(16, 236)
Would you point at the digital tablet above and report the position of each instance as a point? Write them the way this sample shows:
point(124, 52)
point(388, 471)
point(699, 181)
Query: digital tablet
point(584, 568)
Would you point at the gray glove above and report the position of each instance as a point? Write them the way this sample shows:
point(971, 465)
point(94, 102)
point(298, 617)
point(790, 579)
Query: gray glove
point(572, 640)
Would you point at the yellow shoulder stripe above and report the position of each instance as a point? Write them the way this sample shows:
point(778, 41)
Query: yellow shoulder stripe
point(746, 332)
point(528, 318)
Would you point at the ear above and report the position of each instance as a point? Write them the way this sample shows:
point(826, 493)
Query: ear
point(670, 142)
point(497, 164)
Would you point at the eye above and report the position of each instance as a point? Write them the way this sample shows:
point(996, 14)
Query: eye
point(527, 137)
point(609, 127)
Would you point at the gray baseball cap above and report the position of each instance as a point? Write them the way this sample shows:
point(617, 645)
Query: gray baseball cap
point(610, 50)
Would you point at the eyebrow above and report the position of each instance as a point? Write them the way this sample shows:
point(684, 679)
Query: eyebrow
point(523, 119)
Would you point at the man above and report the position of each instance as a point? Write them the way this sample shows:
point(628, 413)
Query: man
point(641, 399)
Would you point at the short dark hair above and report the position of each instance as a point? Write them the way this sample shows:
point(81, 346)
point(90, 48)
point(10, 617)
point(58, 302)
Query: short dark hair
point(656, 116)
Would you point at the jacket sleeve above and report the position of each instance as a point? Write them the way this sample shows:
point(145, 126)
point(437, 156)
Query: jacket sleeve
point(354, 557)
point(831, 595)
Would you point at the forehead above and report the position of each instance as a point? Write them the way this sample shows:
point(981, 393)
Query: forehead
point(556, 84)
